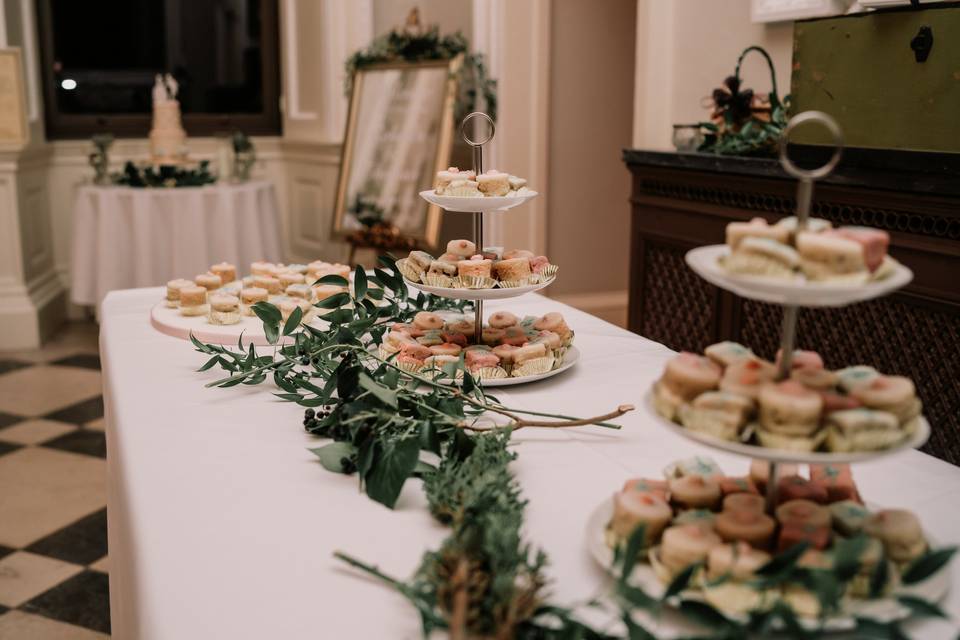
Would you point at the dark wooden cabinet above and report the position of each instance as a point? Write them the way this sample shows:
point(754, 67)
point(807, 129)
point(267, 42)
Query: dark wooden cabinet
point(681, 201)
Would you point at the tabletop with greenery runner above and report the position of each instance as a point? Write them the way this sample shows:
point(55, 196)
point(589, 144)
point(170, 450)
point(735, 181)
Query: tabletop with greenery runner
point(383, 423)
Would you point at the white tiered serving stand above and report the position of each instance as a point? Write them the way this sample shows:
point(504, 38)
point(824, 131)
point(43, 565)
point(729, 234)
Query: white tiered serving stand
point(792, 296)
point(477, 207)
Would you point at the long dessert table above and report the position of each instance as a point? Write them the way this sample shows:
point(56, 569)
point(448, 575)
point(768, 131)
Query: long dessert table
point(223, 525)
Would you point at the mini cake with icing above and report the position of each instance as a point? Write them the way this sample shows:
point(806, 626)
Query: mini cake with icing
point(193, 301)
point(899, 531)
point(208, 281)
point(224, 309)
point(461, 248)
point(632, 509)
point(684, 545)
point(493, 183)
point(756, 228)
point(514, 269)
point(172, 299)
point(249, 297)
point(763, 257)
point(744, 502)
point(745, 525)
point(476, 267)
point(695, 492)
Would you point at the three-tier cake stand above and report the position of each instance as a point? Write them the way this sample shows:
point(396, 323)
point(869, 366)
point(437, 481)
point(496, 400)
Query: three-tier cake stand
point(477, 207)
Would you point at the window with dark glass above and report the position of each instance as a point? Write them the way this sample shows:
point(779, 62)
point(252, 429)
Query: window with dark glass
point(100, 60)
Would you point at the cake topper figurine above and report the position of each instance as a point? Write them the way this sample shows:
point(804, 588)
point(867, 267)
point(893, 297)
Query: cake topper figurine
point(165, 87)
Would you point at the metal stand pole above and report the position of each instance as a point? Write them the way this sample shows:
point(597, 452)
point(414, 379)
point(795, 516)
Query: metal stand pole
point(477, 215)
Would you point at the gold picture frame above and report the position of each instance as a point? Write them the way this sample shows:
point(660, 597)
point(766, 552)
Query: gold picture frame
point(381, 174)
point(14, 130)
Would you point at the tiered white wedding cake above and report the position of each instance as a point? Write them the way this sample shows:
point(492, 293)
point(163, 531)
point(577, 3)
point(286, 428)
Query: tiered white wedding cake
point(168, 140)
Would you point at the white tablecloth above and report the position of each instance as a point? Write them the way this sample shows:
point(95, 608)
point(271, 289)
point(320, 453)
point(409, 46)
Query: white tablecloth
point(223, 525)
point(125, 238)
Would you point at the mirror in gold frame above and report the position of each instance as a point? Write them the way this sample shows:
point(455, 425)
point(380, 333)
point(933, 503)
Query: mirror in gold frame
point(399, 134)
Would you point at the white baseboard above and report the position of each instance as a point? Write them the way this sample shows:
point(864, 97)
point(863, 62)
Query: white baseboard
point(608, 305)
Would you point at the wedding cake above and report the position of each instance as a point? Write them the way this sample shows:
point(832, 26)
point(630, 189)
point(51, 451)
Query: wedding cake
point(168, 140)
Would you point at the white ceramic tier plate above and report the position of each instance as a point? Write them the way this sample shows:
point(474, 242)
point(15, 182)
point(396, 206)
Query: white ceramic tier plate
point(704, 261)
point(570, 358)
point(918, 438)
point(933, 589)
point(169, 321)
point(479, 294)
point(461, 204)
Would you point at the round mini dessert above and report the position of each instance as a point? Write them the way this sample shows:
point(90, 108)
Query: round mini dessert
point(271, 284)
point(747, 376)
point(804, 512)
point(745, 525)
point(492, 336)
point(553, 321)
point(477, 359)
point(476, 267)
point(894, 394)
point(502, 320)
point(208, 281)
point(899, 531)
point(632, 509)
point(789, 408)
point(465, 327)
point(739, 561)
point(818, 379)
point(224, 309)
point(700, 517)
point(249, 297)
point(288, 278)
point(744, 502)
point(421, 259)
point(324, 291)
point(515, 336)
point(445, 349)
point(262, 268)
point(549, 338)
point(193, 301)
point(727, 352)
point(461, 248)
point(513, 270)
point(302, 291)
point(226, 271)
point(802, 359)
point(695, 492)
point(689, 375)
point(428, 321)
point(686, 544)
point(173, 291)
point(518, 253)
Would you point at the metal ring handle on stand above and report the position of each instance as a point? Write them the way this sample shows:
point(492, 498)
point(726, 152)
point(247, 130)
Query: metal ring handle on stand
point(468, 118)
point(831, 125)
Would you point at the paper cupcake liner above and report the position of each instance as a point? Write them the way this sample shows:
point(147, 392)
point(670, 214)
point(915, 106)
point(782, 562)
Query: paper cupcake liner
point(513, 284)
point(533, 367)
point(410, 367)
point(437, 280)
point(477, 282)
point(385, 352)
point(489, 373)
point(548, 273)
point(409, 271)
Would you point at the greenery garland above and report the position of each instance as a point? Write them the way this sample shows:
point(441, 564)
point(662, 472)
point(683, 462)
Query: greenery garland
point(485, 580)
point(168, 176)
point(409, 46)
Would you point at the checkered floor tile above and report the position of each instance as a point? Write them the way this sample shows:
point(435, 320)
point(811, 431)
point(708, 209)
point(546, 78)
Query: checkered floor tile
point(53, 516)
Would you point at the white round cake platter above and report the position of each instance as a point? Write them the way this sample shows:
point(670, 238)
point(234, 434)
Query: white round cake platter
point(462, 204)
point(933, 589)
point(479, 294)
point(705, 262)
point(169, 321)
point(916, 439)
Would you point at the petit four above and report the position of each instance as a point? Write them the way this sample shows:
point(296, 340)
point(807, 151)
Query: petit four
point(744, 502)
point(745, 525)
point(173, 291)
point(463, 266)
point(454, 182)
point(224, 309)
point(899, 531)
point(193, 301)
point(818, 252)
point(632, 509)
point(684, 545)
point(695, 492)
point(249, 297)
point(848, 517)
point(208, 281)
point(226, 271)
point(493, 183)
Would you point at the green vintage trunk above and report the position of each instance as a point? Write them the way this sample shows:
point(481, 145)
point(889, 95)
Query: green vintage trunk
point(861, 70)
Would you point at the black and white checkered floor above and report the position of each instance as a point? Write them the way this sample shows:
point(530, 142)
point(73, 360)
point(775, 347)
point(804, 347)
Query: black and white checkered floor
point(53, 515)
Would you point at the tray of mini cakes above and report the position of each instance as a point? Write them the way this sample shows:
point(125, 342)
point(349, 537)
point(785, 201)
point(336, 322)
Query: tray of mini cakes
point(697, 515)
point(466, 273)
point(467, 192)
point(217, 306)
point(728, 398)
point(820, 266)
point(511, 350)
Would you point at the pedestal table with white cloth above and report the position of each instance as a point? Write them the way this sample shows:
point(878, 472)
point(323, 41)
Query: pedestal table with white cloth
point(127, 237)
point(223, 525)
